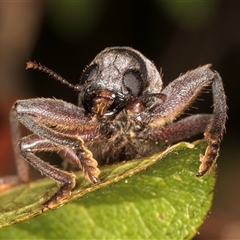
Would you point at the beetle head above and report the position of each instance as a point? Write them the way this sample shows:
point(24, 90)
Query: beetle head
point(116, 76)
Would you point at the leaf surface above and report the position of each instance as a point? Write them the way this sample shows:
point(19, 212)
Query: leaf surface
point(158, 197)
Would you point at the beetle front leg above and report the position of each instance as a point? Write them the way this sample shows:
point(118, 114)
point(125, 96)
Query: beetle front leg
point(215, 129)
point(67, 130)
point(179, 94)
point(56, 126)
point(88, 163)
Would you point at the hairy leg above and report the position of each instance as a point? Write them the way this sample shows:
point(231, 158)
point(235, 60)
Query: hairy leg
point(182, 129)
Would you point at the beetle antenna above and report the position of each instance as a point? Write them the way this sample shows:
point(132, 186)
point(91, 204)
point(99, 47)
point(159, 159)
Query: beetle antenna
point(34, 65)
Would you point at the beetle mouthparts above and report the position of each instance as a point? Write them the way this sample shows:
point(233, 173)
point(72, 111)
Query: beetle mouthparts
point(102, 102)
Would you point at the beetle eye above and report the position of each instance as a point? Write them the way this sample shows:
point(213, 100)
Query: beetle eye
point(133, 82)
point(89, 73)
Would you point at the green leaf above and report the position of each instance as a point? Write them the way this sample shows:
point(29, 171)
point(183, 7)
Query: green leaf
point(158, 197)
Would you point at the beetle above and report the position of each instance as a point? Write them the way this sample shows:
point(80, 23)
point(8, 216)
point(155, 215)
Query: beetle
point(123, 112)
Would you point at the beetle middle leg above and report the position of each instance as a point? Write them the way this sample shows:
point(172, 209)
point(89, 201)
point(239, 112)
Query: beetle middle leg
point(33, 143)
point(182, 129)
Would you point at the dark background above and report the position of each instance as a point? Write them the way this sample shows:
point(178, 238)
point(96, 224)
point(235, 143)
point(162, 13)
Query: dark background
point(177, 36)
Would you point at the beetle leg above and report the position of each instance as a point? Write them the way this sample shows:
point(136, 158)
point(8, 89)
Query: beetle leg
point(52, 112)
point(21, 164)
point(38, 115)
point(47, 119)
point(33, 143)
point(216, 127)
point(182, 129)
point(179, 95)
point(88, 163)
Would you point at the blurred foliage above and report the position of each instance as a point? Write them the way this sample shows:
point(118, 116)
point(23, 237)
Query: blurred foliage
point(189, 15)
point(72, 19)
point(76, 18)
